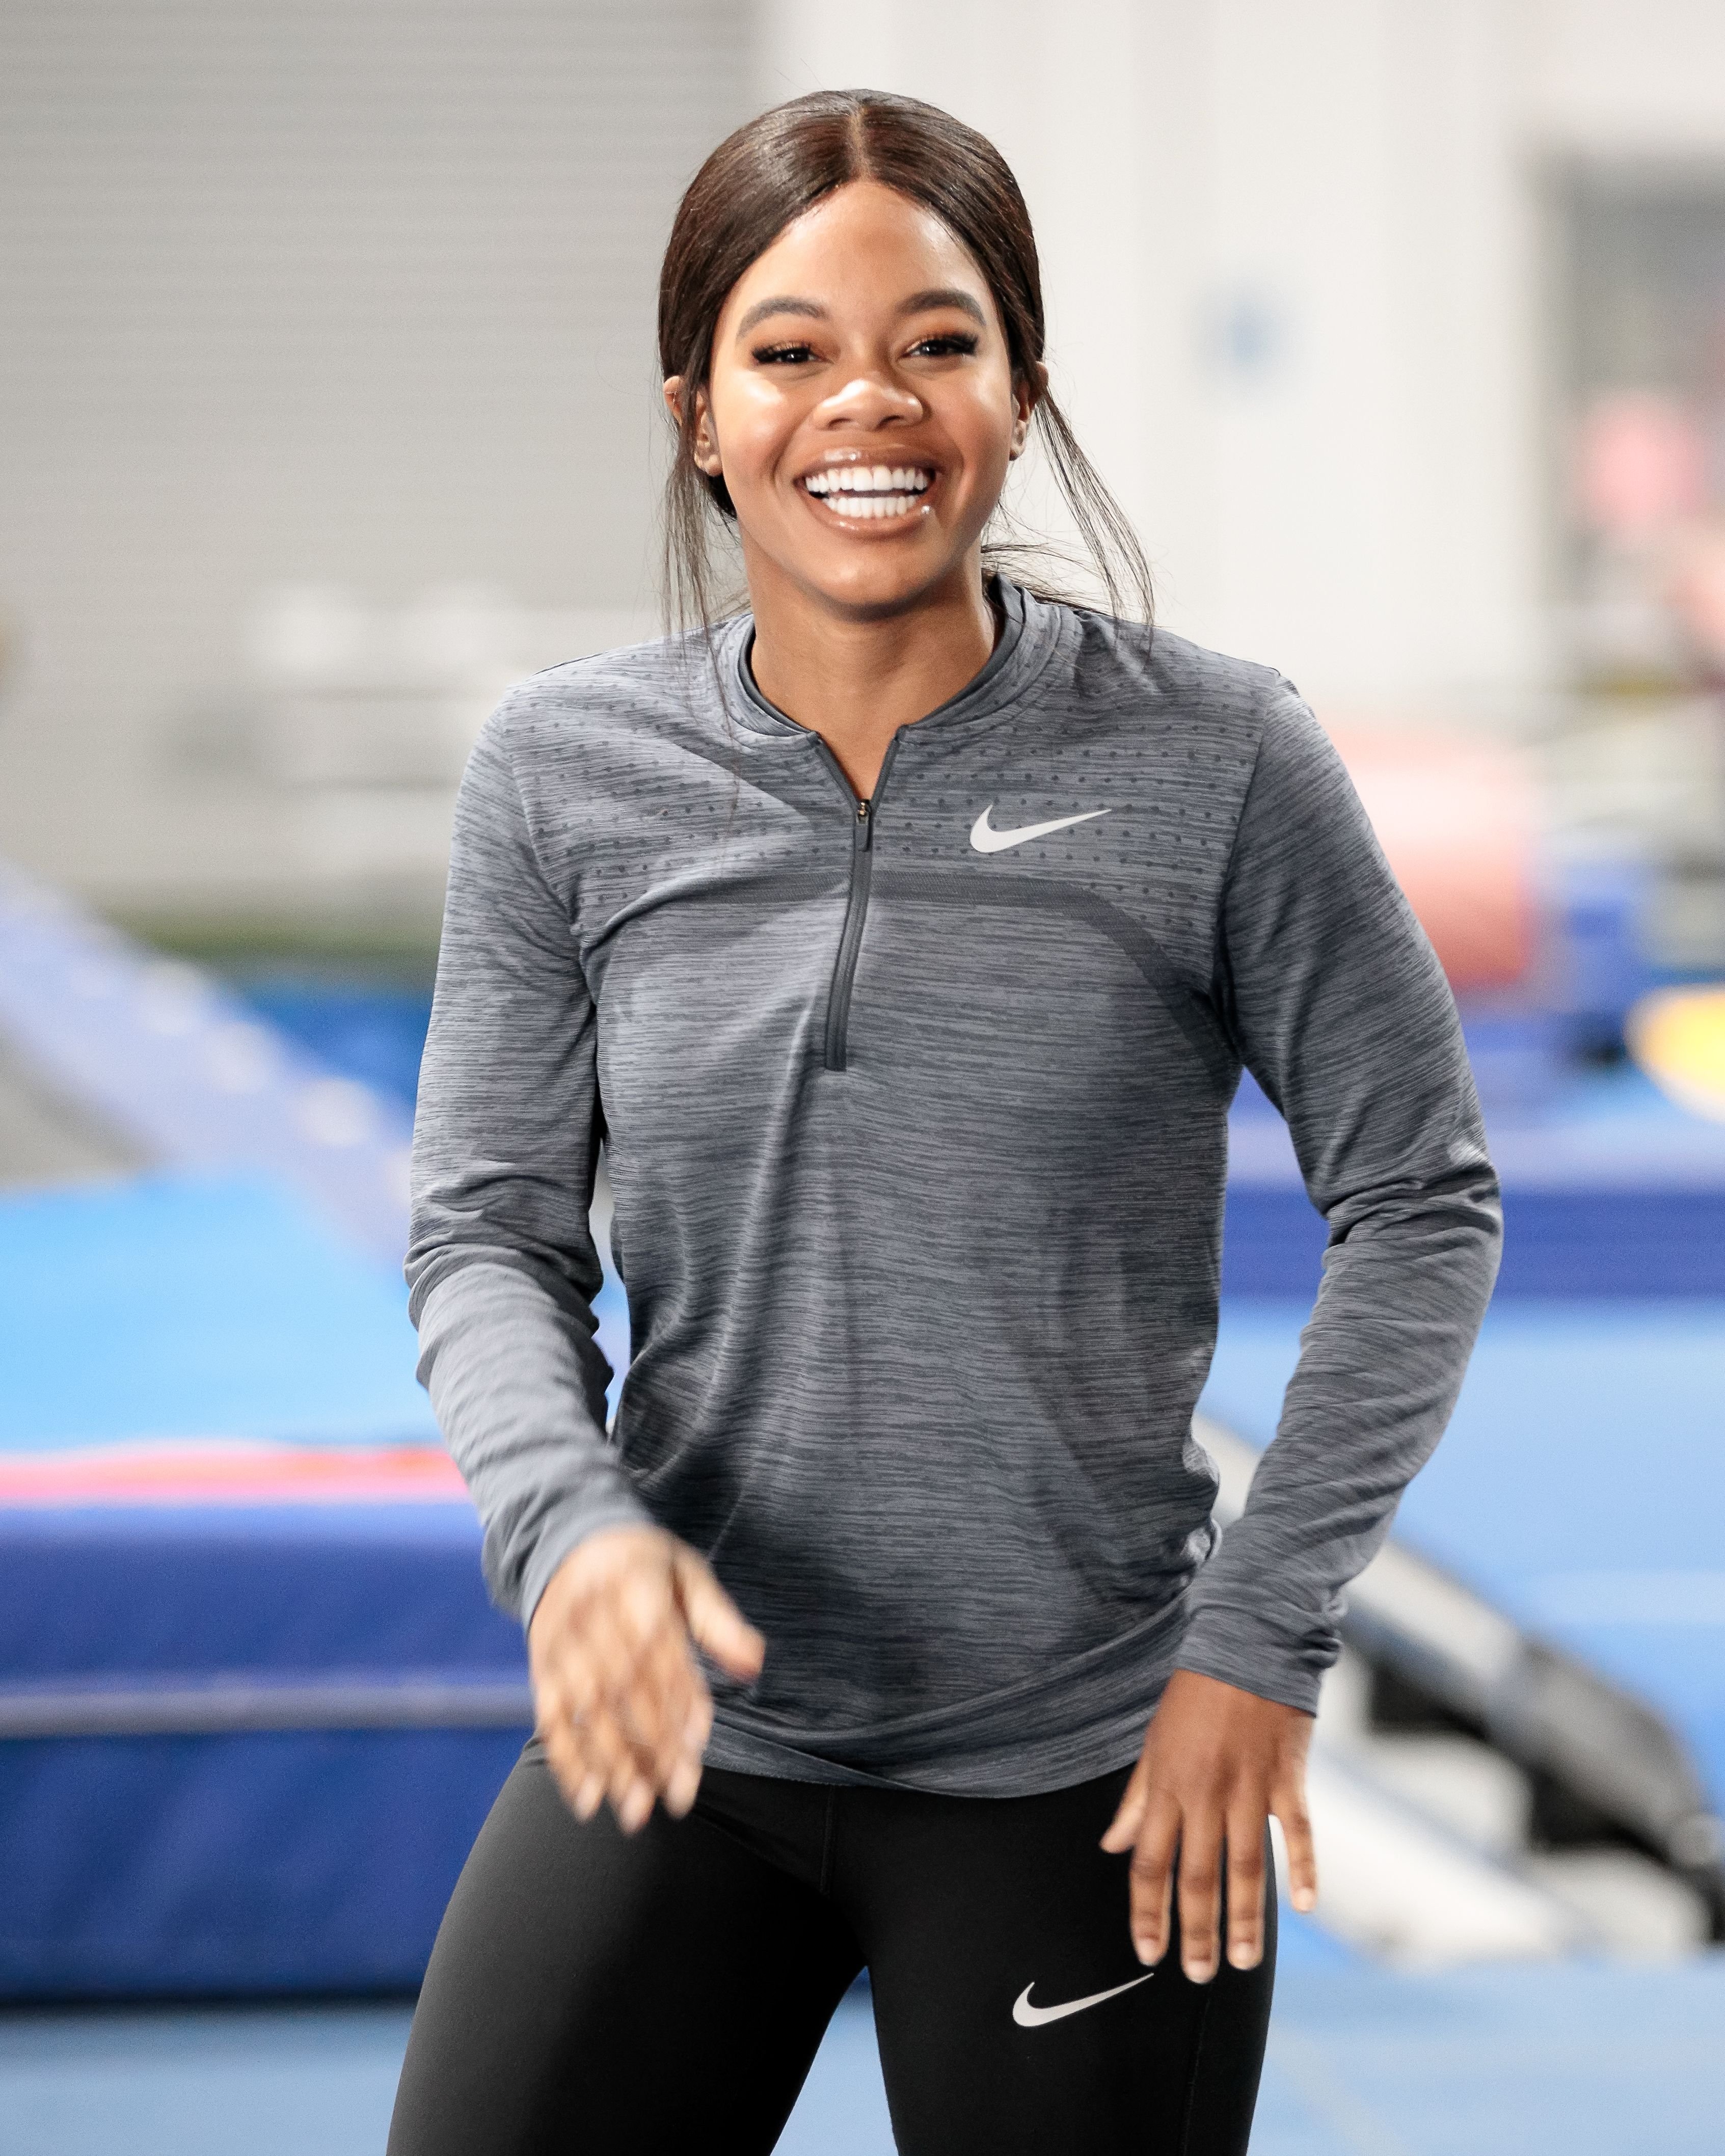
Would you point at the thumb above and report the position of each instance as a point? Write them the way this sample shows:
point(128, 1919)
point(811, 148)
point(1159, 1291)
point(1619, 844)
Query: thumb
point(715, 1622)
point(1134, 1802)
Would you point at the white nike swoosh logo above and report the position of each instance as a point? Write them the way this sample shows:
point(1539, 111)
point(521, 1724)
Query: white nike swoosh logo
point(987, 840)
point(1032, 2017)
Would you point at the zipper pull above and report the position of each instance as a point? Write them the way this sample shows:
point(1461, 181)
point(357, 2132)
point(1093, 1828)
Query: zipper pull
point(862, 811)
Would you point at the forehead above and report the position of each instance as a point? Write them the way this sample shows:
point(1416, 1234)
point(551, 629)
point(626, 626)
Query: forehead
point(864, 245)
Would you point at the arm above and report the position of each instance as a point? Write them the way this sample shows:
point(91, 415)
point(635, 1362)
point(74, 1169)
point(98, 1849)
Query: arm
point(503, 1272)
point(500, 1259)
point(1344, 1015)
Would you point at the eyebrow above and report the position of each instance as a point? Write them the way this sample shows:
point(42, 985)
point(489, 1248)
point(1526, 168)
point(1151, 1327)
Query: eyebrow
point(945, 295)
point(919, 303)
point(781, 305)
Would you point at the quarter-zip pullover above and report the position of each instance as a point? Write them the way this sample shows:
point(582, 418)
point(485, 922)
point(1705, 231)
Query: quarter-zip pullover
point(915, 1112)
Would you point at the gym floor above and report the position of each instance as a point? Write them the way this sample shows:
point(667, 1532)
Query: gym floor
point(1593, 2060)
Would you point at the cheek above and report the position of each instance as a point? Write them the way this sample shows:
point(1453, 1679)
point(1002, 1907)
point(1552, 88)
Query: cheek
point(754, 425)
point(980, 422)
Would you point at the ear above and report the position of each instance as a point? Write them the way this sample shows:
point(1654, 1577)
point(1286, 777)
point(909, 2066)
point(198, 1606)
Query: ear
point(706, 447)
point(1028, 391)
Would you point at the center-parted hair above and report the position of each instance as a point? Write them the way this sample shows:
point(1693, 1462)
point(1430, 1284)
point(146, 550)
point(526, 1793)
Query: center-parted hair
point(766, 176)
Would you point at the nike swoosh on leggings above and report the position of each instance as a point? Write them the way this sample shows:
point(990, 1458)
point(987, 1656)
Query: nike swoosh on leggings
point(1033, 2017)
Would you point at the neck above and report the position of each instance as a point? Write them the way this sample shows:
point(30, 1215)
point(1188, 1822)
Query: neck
point(856, 679)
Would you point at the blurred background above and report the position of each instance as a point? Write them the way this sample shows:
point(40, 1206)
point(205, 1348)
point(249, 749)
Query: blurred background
point(328, 408)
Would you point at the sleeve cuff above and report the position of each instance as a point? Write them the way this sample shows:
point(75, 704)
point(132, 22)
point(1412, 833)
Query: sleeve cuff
point(566, 1531)
point(1243, 1649)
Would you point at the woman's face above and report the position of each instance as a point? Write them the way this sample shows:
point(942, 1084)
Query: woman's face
point(861, 406)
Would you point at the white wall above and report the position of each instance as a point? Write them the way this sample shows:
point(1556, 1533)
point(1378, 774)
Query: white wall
point(1641, 77)
point(349, 292)
point(1292, 253)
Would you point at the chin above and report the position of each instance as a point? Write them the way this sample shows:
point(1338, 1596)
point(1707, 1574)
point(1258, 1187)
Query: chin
point(882, 586)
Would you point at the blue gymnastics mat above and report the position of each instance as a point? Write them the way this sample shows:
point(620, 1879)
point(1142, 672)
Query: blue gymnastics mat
point(1611, 1193)
point(186, 1304)
point(221, 1314)
point(1580, 1487)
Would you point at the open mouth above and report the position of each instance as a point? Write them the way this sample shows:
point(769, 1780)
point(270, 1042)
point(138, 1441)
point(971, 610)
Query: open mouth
point(862, 492)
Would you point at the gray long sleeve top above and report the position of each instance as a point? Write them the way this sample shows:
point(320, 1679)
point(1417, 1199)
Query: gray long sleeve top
point(915, 1114)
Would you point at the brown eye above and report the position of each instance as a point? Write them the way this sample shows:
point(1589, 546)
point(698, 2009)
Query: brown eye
point(943, 347)
point(783, 354)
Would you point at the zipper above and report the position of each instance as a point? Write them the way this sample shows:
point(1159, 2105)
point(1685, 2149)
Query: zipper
point(856, 904)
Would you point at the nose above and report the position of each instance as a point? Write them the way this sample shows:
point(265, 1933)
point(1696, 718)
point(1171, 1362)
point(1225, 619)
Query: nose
point(869, 401)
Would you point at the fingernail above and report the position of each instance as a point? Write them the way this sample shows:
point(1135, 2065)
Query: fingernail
point(1200, 1972)
point(1304, 1899)
point(1242, 1956)
point(1145, 1948)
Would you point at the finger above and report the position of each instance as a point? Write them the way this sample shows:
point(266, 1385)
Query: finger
point(1290, 1808)
point(1129, 1818)
point(1246, 1888)
point(628, 1704)
point(632, 1796)
point(582, 1789)
point(681, 1787)
point(570, 1770)
point(635, 1807)
point(605, 1751)
point(698, 1724)
point(670, 1674)
point(1152, 1880)
point(1199, 1891)
point(716, 1624)
point(568, 1673)
point(640, 1710)
point(552, 1715)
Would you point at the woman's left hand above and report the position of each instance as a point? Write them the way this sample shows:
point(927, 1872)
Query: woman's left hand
point(1217, 1764)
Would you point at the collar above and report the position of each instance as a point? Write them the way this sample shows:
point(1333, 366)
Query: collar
point(980, 694)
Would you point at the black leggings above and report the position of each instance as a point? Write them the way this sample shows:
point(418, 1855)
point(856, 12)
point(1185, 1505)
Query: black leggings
point(666, 1992)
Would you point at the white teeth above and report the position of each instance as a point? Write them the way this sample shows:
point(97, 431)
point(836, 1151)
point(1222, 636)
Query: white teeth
point(857, 507)
point(867, 479)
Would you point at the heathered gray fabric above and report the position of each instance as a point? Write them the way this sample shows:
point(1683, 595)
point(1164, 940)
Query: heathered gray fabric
point(917, 1340)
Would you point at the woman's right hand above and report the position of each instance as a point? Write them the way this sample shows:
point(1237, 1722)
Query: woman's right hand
point(619, 1701)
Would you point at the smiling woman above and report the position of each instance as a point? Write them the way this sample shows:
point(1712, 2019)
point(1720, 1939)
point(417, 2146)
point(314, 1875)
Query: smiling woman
point(874, 258)
point(904, 957)
point(861, 405)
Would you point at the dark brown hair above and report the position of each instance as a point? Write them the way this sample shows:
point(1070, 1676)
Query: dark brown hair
point(765, 175)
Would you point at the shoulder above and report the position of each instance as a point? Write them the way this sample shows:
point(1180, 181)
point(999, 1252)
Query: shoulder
point(1204, 727)
point(1206, 687)
point(578, 756)
point(582, 703)
point(1181, 688)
